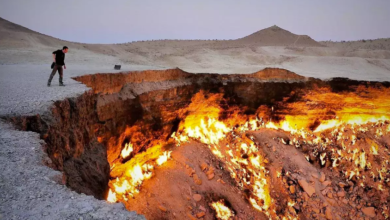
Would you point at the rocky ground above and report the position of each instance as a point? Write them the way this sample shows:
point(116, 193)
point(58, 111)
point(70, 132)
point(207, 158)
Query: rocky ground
point(28, 188)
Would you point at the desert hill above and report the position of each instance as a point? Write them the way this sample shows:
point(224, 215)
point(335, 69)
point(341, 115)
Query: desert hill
point(16, 36)
point(276, 36)
point(270, 47)
point(19, 36)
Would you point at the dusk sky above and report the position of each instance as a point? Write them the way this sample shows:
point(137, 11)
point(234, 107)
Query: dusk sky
point(119, 21)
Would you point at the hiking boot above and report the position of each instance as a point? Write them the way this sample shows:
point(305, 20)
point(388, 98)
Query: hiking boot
point(61, 84)
point(48, 84)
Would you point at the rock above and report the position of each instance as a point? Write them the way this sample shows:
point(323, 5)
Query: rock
point(341, 194)
point(325, 191)
point(305, 196)
point(369, 211)
point(326, 183)
point(190, 171)
point(210, 173)
point(328, 214)
point(190, 216)
point(309, 189)
point(197, 197)
point(200, 214)
point(197, 180)
point(162, 208)
point(322, 177)
point(345, 201)
point(331, 201)
point(221, 181)
point(292, 189)
point(342, 185)
point(202, 208)
point(204, 166)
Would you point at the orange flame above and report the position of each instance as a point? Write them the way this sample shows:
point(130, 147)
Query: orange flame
point(127, 150)
point(111, 197)
point(163, 158)
point(223, 212)
point(322, 120)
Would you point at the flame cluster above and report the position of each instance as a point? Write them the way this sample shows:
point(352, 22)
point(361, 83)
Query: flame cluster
point(341, 131)
point(227, 140)
point(338, 130)
point(309, 121)
point(131, 174)
point(127, 150)
point(222, 212)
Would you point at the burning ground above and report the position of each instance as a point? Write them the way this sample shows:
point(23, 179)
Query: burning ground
point(269, 145)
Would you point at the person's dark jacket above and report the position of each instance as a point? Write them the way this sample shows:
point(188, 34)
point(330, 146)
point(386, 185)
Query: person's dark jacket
point(60, 57)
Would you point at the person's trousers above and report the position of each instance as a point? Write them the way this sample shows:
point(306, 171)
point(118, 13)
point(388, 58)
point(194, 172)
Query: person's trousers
point(60, 71)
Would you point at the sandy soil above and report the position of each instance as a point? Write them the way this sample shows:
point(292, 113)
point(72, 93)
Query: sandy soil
point(25, 57)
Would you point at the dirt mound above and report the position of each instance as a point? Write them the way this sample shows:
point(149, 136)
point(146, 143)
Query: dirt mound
point(275, 73)
point(276, 36)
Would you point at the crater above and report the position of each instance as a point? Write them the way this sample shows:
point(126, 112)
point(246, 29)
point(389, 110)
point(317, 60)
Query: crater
point(174, 145)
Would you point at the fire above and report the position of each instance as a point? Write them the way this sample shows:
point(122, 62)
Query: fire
point(131, 175)
point(223, 212)
point(111, 197)
point(163, 158)
point(353, 111)
point(127, 150)
point(329, 125)
point(202, 123)
point(136, 176)
point(330, 110)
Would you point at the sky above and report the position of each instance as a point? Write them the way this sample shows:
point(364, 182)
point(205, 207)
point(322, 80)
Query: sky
point(121, 21)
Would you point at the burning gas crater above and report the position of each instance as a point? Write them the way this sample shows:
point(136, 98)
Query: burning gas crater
point(316, 154)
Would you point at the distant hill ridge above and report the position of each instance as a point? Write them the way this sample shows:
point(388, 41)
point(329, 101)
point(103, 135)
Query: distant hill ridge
point(273, 36)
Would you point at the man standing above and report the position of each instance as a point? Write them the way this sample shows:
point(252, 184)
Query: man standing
point(59, 60)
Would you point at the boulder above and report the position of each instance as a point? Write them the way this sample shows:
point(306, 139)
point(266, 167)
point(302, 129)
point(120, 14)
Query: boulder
point(309, 189)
